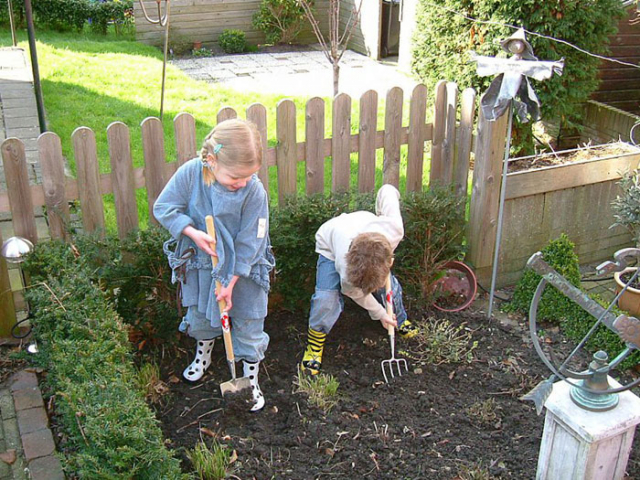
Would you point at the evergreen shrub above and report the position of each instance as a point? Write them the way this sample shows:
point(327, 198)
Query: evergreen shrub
point(554, 306)
point(280, 20)
point(232, 41)
point(442, 42)
point(109, 431)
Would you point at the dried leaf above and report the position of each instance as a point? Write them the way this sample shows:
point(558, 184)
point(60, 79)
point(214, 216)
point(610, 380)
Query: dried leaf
point(233, 457)
point(208, 432)
point(8, 457)
point(452, 374)
point(174, 379)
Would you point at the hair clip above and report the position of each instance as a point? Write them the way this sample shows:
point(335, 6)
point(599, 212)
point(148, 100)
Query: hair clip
point(217, 148)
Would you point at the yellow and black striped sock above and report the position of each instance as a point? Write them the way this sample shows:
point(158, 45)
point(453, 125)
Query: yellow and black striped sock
point(312, 359)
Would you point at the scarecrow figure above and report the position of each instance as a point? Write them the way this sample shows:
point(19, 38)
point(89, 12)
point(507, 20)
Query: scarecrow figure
point(512, 83)
point(511, 90)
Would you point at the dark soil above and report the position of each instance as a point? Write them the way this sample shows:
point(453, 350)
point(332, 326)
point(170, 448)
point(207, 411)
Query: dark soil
point(427, 424)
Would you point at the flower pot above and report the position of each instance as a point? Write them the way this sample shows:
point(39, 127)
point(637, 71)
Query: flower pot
point(197, 45)
point(629, 301)
point(455, 289)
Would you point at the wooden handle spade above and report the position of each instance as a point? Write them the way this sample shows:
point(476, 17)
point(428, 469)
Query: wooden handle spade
point(222, 304)
point(235, 385)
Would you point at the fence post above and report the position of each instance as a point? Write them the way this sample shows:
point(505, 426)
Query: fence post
point(7, 307)
point(18, 191)
point(464, 141)
point(257, 113)
point(154, 161)
point(86, 155)
point(392, 141)
point(436, 172)
point(341, 144)
point(286, 149)
point(184, 126)
point(314, 138)
point(485, 196)
point(53, 184)
point(367, 141)
point(415, 149)
point(124, 188)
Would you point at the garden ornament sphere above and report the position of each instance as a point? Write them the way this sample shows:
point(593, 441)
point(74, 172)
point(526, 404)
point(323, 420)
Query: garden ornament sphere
point(15, 249)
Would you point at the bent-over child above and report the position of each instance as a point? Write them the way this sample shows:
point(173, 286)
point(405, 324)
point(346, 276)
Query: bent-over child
point(222, 182)
point(355, 254)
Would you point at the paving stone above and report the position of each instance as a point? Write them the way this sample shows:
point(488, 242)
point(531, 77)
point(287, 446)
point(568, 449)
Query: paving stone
point(11, 434)
point(46, 468)
point(32, 420)
point(7, 409)
point(5, 469)
point(27, 398)
point(23, 379)
point(38, 444)
point(19, 469)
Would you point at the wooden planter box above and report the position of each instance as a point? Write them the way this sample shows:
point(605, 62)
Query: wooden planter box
point(573, 198)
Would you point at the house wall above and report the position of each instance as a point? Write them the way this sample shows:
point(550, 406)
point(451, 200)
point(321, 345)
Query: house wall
point(205, 20)
point(620, 85)
point(366, 36)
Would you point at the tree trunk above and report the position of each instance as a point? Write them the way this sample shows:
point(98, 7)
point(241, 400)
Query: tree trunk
point(336, 78)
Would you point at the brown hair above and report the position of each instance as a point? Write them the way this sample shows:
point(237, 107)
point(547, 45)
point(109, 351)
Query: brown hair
point(369, 261)
point(239, 144)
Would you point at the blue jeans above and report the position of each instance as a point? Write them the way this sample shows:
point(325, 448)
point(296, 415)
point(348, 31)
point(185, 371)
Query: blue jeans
point(327, 302)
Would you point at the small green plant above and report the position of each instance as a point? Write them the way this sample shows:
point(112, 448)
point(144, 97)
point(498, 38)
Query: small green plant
point(321, 389)
point(438, 342)
point(484, 412)
point(280, 20)
point(202, 52)
point(554, 306)
point(150, 384)
point(232, 41)
point(475, 471)
point(210, 463)
point(626, 206)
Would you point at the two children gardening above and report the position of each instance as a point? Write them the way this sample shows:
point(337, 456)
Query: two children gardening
point(355, 254)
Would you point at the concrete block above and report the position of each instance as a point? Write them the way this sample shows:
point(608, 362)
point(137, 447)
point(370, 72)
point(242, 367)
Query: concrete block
point(7, 410)
point(46, 468)
point(32, 420)
point(11, 434)
point(27, 398)
point(23, 379)
point(577, 443)
point(38, 444)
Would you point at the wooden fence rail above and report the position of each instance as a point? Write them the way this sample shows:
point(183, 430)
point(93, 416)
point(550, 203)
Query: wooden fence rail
point(449, 158)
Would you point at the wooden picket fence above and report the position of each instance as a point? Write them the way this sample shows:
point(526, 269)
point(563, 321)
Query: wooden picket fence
point(450, 153)
point(451, 143)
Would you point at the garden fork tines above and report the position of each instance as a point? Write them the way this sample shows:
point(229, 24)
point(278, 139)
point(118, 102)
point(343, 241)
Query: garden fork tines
point(393, 364)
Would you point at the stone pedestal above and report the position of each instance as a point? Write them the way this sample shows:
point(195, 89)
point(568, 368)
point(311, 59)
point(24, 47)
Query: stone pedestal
point(578, 444)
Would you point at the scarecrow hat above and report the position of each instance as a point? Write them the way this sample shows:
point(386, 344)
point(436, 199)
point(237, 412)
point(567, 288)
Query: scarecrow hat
point(519, 36)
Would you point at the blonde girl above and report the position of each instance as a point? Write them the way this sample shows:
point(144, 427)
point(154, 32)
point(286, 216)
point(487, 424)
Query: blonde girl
point(222, 182)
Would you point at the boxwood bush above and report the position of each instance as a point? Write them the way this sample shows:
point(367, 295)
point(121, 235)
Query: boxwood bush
point(109, 431)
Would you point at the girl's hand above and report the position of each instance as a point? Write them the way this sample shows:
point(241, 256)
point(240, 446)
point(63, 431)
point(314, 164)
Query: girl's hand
point(202, 239)
point(386, 321)
point(226, 293)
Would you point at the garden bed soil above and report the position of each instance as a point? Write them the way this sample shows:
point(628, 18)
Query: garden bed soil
point(431, 423)
point(580, 154)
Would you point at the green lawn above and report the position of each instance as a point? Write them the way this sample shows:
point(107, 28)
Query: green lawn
point(92, 80)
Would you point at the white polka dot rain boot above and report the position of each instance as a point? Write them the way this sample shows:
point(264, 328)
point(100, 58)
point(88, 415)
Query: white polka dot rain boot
point(251, 371)
point(195, 371)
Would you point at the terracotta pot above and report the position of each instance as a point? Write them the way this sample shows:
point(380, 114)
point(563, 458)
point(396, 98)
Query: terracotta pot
point(197, 45)
point(629, 301)
point(456, 289)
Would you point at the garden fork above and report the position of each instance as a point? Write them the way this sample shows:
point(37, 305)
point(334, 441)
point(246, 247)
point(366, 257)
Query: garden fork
point(393, 363)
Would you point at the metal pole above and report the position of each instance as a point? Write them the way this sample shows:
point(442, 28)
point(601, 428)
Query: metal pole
point(13, 27)
point(164, 63)
point(34, 66)
point(503, 192)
